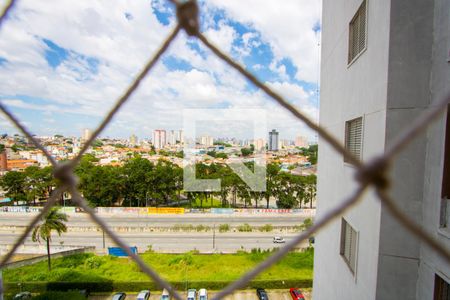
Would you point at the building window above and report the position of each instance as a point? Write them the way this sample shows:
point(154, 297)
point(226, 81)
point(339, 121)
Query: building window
point(353, 137)
point(441, 289)
point(357, 33)
point(349, 244)
point(445, 190)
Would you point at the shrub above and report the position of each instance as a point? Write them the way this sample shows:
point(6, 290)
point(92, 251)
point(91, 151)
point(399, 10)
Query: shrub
point(202, 228)
point(307, 223)
point(59, 290)
point(298, 227)
point(93, 262)
point(60, 295)
point(183, 227)
point(245, 228)
point(266, 228)
point(224, 227)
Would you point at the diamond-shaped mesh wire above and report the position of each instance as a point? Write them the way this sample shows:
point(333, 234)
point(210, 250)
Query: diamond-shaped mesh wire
point(373, 173)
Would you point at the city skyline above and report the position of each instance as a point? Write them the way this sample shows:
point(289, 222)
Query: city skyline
point(70, 81)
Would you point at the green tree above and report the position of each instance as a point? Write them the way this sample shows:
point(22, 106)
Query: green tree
point(39, 182)
point(285, 191)
point(102, 185)
point(2, 148)
point(97, 143)
point(52, 221)
point(166, 179)
point(138, 181)
point(272, 171)
point(246, 151)
point(14, 184)
point(310, 189)
point(212, 153)
point(221, 155)
point(15, 148)
point(311, 152)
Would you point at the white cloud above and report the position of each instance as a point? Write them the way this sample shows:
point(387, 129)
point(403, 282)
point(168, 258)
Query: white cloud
point(223, 37)
point(287, 25)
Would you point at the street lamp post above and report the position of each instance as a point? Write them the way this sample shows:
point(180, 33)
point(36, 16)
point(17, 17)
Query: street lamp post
point(103, 235)
point(214, 236)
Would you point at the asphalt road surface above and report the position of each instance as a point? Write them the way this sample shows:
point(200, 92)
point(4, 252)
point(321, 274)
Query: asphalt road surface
point(161, 241)
point(164, 242)
point(8, 219)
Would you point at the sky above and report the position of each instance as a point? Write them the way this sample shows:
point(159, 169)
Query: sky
point(64, 63)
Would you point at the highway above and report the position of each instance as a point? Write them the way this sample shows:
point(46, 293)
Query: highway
point(157, 231)
point(80, 220)
point(165, 242)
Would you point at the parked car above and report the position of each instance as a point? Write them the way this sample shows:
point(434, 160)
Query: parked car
point(296, 294)
point(202, 294)
point(119, 296)
point(261, 293)
point(143, 295)
point(22, 296)
point(278, 239)
point(165, 295)
point(192, 294)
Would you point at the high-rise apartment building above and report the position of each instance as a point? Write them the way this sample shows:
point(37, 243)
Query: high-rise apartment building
point(383, 64)
point(273, 141)
point(86, 135)
point(301, 141)
point(180, 136)
point(133, 140)
point(159, 138)
point(260, 144)
point(207, 141)
point(171, 137)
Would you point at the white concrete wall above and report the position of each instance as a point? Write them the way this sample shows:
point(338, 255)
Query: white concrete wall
point(348, 92)
point(430, 263)
point(410, 51)
point(404, 70)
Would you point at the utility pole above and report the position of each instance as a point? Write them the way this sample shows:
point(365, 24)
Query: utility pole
point(103, 232)
point(214, 236)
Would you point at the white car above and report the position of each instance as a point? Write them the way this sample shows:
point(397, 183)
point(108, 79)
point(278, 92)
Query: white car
point(165, 295)
point(278, 239)
point(143, 295)
point(202, 294)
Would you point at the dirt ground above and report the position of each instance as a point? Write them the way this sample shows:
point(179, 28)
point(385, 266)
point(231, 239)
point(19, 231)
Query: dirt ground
point(239, 295)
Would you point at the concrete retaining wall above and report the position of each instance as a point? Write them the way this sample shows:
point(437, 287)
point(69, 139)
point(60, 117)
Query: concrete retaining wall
point(34, 260)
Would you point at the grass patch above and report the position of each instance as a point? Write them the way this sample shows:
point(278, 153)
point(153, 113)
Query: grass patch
point(197, 203)
point(173, 267)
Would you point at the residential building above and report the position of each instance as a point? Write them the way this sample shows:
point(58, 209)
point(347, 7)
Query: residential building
point(273, 141)
point(301, 141)
point(3, 161)
point(133, 140)
point(86, 134)
point(383, 64)
point(180, 136)
point(260, 144)
point(159, 138)
point(207, 141)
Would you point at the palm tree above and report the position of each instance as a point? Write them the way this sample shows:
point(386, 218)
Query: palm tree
point(54, 220)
